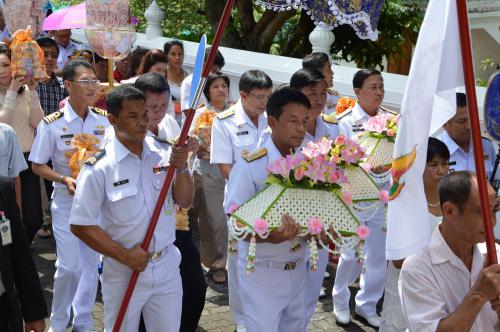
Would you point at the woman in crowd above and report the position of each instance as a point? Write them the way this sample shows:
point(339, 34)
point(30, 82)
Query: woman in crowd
point(436, 167)
point(20, 108)
point(209, 184)
point(176, 74)
point(154, 61)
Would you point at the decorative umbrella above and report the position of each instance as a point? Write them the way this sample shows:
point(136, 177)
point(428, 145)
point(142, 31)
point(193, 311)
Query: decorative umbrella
point(67, 18)
point(361, 15)
point(18, 14)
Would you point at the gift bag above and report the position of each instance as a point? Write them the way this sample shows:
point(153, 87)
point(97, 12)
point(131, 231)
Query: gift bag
point(27, 58)
point(203, 129)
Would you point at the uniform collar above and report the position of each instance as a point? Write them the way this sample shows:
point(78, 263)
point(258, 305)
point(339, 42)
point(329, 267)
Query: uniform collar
point(272, 151)
point(358, 113)
point(120, 151)
point(440, 253)
point(70, 114)
point(241, 117)
point(451, 144)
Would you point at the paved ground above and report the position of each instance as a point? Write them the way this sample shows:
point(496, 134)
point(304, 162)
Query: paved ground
point(215, 317)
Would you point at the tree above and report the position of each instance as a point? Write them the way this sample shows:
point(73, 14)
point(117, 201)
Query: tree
point(286, 33)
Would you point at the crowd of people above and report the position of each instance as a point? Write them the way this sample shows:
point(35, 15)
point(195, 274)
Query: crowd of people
point(100, 211)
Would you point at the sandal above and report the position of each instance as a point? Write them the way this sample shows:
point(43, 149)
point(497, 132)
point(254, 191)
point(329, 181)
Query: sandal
point(219, 276)
point(45, 232)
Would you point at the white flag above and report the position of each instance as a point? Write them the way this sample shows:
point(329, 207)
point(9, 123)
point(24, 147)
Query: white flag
point(429, 101)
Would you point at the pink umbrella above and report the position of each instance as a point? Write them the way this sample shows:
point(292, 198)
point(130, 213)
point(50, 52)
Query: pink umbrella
point(74, 17)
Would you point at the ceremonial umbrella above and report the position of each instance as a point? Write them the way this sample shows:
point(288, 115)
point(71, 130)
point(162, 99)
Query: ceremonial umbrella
point(73, 17)
point(361, 15)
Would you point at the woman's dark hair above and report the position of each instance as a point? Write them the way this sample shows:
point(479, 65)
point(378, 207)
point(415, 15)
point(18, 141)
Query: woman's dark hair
point(4, 49)
point(136, 59)
point(305, 77)
point(437, 148)
point(150, 59)
point(283, 96)
point(212, 77)
point(48, 42)
point(168, 45)
point(361, 76)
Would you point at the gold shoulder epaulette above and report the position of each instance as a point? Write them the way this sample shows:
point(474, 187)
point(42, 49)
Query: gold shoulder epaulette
point(388, 110)
point(98, 155)
point(341, 115)
point(99, 111)
point(226, 114)
point(53, 117)
point(257, 154)
point(329, 119)
point(332, 92)
point(170, 141)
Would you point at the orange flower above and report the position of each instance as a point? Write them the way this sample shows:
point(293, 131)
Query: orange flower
point(85, 146)
point(205, 120)
point(343, 104)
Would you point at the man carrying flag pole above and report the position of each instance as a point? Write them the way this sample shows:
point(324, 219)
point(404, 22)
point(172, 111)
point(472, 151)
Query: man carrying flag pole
point(444, 285)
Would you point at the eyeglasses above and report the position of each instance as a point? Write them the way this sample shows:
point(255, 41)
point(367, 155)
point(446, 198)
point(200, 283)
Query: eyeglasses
point(52, 55)
point(260, 97)
point(86, 82)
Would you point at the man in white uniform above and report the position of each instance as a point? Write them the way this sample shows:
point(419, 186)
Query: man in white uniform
point(75, 281)
point(321, 62)
point(273, 296)
point(66, 46)
point(313, 85)
point(369, 88)
point(235, 132)
point(124, 182)
point(457, 138)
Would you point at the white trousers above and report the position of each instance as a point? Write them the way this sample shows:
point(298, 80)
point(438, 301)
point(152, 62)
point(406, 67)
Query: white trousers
point(372, 279)
point(315, 282)
point(273, 299)
point(158, 294)
point(234, 290)
point(75, 280)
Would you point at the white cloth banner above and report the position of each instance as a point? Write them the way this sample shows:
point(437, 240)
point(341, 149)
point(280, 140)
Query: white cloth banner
point(429, 101)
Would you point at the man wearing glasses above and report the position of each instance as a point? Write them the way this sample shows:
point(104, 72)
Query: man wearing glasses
point(75, 280)
point(235, 132)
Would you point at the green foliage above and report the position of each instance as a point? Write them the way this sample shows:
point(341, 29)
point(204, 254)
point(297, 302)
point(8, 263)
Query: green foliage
point(184, 19)
point(58, 4)
point(399, 21)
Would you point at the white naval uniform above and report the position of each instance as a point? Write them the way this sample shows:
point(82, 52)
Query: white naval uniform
point(125, 188)
point(66, 52)
point(462, 161)
point(234, 134)
point(373, 278)
point(75, 280)
point(272, 297)
point(326, 126)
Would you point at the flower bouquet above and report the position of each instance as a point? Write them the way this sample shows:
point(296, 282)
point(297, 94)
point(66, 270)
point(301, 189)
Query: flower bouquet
point(203, 130)
point(84, 146)
point(318, 187)
point(378, 139)
point(343, 104)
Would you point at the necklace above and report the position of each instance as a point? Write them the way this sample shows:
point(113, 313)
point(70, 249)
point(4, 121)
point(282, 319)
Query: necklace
point(434, 205)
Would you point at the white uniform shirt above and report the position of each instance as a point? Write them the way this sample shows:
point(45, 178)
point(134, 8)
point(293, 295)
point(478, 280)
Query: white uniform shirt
point(465, 161)
point(124, 189)
point(434, 282)
point(323, 129)
point(53, 140)
point(234, 136)
point(246, 180)
point(66, 52)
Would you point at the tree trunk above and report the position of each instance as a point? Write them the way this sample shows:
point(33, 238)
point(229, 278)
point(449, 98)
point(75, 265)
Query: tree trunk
point(213, 11)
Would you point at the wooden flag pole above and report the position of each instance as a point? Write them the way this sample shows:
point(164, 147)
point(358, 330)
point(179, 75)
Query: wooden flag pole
point(470, 90)
point(171, 170)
